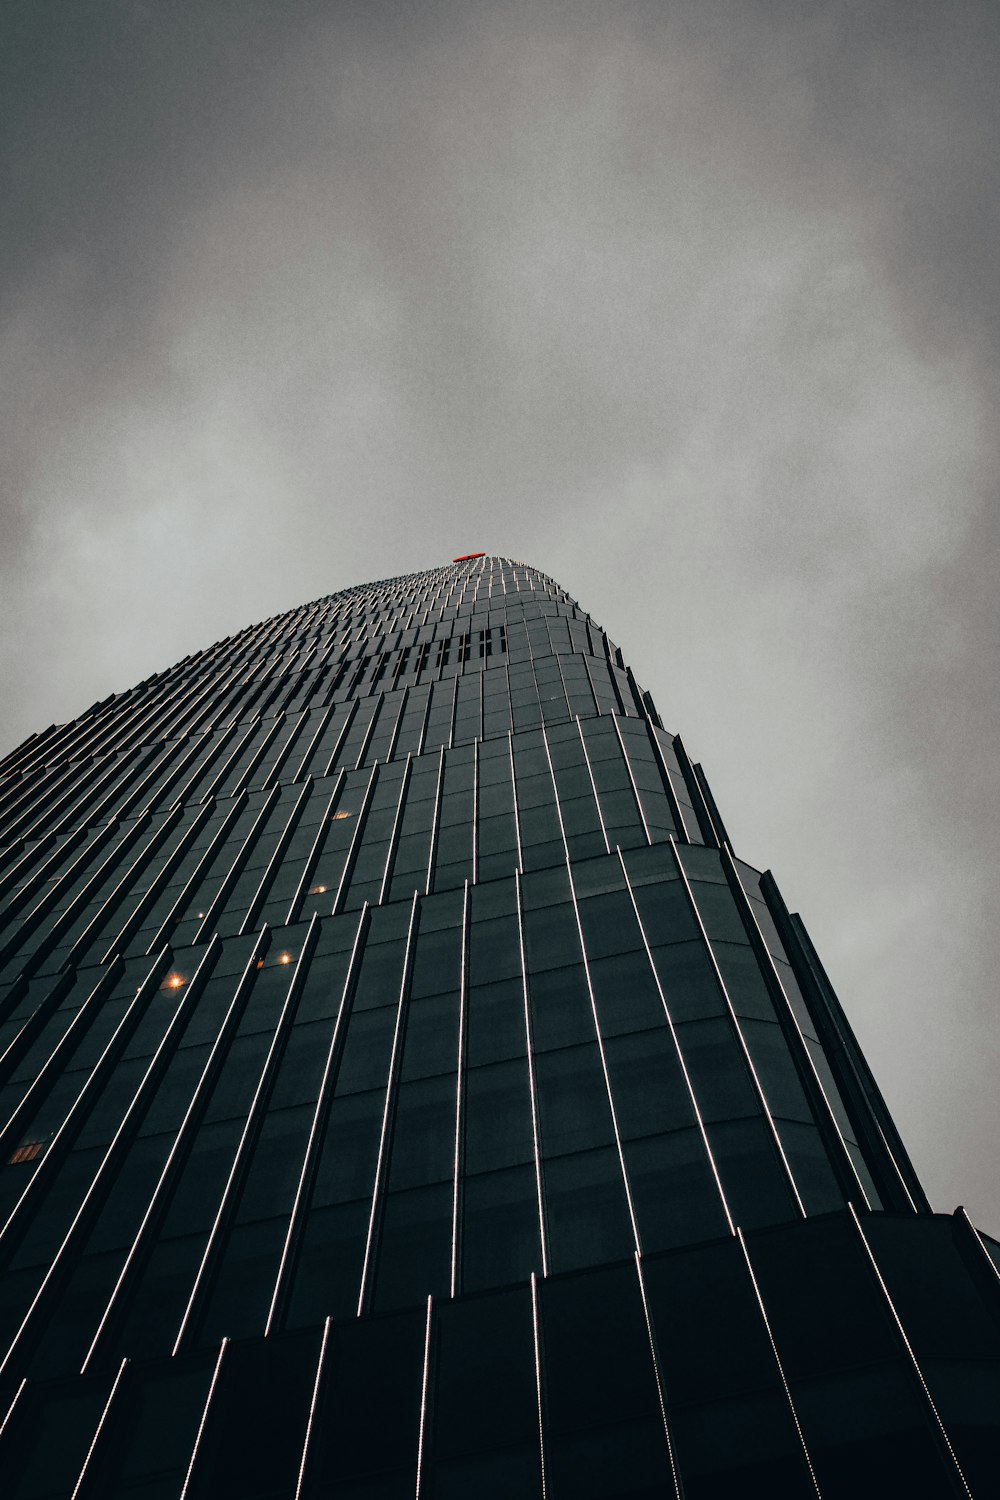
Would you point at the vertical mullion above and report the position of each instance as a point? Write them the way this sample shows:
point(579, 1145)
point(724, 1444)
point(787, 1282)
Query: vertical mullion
point(679, 1051)
point(741, 1040)
point(388, 1109)
point(532, 1089)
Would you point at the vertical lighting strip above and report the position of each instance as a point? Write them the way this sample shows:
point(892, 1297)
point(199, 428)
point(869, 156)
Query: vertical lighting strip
point(475, 806)
point(388, 1107)
point(654, 1355)
point(248, 1139)
point(312, 858)
point(457, 1174)
point(593, 783)
point(203, 1422)
point(313, 1409)
point(91, 1088)
point(218, 842)
point(513, 788)
point(944, 1441)
point(765, 958)
point(539, 1384)
point(180, 1149)
point(593, 1006)
point(424, 1393)
point(397, 825)
point(777, 1360)
point(631, 778)
point(536, 1143)
point(692, 1096)
point(435, 819)
point(272, 801)
point(81, 1481)
point(765, 1107)
point(354, 847)
point(317, 1129)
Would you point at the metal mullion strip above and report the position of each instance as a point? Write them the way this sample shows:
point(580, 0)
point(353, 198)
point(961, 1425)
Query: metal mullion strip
point(325, 715)
point(78, 1111)
point(313, 1409)
point(33, 1025)
point(146, 786)
point(249, 771)
point(598, 711)
point(676, 811)
point(79, 902)
point(366, 738)
point(631, 778)
point(388, 1110)
point(273, 774)
point(460, 1079)
point(30, 790)
point(354, 847)
point(54, 1065)
point(701, 808)
point(435, 819)
point(248, 1139)
point(593, 783)
point(271, 868)
point(110, 787)
point(425, 1380)
point(940, 1431)
point(772, 978)
point(593, 1007)
point(180, 1150)
point(118, 893)
point(422, 735)
point(758, 1087)
point(863, 1097)
point(394, 736)
point(218, 740)
point(475, 807)
point(539, 1382)
point(397, 823)
point(220, 772)
point(532, 1089)
point(654, 1354)
point(33, 870)
point(317, 1131)
point(44, 817)
point(454, 708)
point(219, 839)
point(322, 828)
point(777, 1360)
point(166, 770)
point(151, 895)
point(334, 756)
point(102, 1180)
point(517, 815)
point(203, 1422)
point(985, 1259)
point(692, 1096)
point(80, 1487)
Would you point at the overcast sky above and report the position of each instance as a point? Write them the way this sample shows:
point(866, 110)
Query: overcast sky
point(692, 305)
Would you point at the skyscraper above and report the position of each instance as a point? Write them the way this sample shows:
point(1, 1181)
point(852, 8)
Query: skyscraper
point(406, 1091)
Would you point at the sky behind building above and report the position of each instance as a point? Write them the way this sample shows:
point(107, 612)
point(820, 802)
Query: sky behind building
point(693, 307)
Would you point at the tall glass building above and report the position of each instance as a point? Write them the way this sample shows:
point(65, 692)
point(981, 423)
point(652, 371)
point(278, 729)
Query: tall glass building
point(405, 1091)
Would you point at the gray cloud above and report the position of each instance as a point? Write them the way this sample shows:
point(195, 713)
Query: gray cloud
point(694, 306)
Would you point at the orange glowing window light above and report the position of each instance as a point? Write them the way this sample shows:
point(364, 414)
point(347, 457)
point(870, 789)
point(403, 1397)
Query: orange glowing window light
point(173, 981)
point(317, 890)
point(343, 814)
point(284, 958)
point(27, 1151)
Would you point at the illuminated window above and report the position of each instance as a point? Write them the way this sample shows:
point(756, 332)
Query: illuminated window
point(173, 981)
point(343, 813)
point(317, 890)
point(284, 958)
point(26, 1151)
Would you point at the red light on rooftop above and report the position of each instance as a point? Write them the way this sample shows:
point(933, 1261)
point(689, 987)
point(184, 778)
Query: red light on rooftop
point(468, 556)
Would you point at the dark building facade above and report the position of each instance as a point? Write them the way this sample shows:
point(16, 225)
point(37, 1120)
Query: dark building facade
point(406, 1091)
